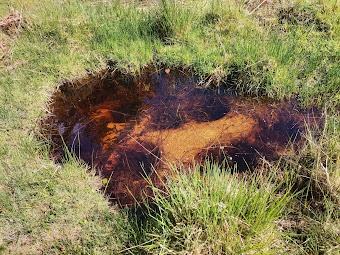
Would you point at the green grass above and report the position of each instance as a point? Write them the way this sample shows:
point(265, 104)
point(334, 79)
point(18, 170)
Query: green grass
point(282, 51)
point(209, 210)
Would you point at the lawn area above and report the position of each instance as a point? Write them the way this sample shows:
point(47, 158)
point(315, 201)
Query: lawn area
point(278, 50)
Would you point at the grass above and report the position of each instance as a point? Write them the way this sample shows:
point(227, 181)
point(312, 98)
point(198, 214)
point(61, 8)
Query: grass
point(316, 183)
point(282, 51)
point(209, 210)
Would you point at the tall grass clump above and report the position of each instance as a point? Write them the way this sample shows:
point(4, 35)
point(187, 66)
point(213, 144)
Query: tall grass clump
point(313, 173)
point(321, 159)
point(208, 210)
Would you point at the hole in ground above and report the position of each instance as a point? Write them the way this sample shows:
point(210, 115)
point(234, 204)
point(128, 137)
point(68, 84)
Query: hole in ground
point(130, 126)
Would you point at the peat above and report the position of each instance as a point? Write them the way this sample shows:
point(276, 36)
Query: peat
point(132, 126)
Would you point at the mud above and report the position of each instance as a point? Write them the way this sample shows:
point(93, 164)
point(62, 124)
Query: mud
point(130, 127)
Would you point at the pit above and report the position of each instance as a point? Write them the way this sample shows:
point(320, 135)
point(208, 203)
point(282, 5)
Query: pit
point(130, 127)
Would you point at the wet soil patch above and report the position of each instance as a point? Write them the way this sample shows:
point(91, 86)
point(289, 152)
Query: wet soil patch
point(130, 127)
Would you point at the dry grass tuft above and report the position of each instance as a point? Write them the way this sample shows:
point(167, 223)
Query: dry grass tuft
point(11, 22)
